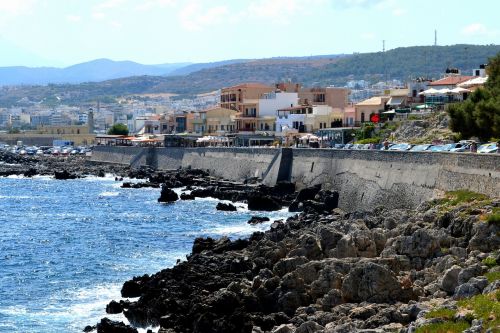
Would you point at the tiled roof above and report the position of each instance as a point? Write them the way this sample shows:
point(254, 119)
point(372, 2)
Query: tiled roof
point(451, 80)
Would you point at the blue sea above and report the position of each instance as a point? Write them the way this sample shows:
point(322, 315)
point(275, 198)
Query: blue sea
point(66, 247)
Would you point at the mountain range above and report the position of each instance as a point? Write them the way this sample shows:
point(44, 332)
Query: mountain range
point(188, 79)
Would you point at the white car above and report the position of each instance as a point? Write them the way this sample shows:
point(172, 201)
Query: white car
point(488, 148)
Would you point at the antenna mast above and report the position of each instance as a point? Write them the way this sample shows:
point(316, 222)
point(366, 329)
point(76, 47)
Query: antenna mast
point(435, 37)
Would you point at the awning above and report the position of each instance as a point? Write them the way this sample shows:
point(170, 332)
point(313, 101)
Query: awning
point(396, 100)
point(459, 90)
point(390, 112)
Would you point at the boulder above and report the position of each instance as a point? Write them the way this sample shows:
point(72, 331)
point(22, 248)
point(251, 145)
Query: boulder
point(474, 287)
point(167, 195)
point(114, 307)
point(109, 326)
point(186, 196)
point(284, 328)
point(372, 283)
point(227, 207)
point(262, 202)
point(64, 175)
point(257, 219)
point(450, 279)
point(309, 327)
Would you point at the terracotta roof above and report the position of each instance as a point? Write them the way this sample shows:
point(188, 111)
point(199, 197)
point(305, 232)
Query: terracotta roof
point(451, 80)
point(250, 85)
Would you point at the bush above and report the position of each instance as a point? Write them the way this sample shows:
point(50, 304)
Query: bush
point(493, 219)
point(370, 140)
point(490, 262)
point(492, 276)
point(118, 129)
point(462, 196)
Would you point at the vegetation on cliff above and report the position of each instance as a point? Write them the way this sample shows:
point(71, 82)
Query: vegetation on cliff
point(479, 115)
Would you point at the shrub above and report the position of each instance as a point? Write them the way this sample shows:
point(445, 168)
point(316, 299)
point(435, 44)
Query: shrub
point(462, 196)
point(493, 218)
point(490, 262)
point(492, 276)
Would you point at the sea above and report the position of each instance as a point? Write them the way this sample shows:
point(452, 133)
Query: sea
point(67, 246)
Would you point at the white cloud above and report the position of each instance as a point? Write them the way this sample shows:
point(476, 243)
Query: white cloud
point(98, 15)
point(194, 16)
point(153, 4)
point(282, 11)
point(109, 4)
point(479, 30)
point(16, 7)
point(73, 18)
point(398, 11)
point(115, 24)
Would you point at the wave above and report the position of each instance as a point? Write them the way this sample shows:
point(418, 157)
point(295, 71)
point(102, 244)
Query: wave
point(109, 194)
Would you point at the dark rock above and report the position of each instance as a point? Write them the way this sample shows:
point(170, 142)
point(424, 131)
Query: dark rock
point(226, 207)
point(167, 195)
point(114, 307)
point(262, 202)
point(30, 172)
point(109, 326)
point(89, 328)
point(64, 175)
point(257, 219)
point(186, 196)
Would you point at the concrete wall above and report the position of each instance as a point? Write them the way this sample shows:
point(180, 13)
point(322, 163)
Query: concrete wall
point(364, 179)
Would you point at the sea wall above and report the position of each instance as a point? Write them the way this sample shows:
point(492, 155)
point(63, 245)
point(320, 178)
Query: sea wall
point(364, 178)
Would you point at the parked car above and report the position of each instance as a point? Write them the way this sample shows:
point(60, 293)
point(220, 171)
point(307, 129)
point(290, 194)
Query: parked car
point(401, 146)
point(423, 147)
point(437, 148)
point(488, 148)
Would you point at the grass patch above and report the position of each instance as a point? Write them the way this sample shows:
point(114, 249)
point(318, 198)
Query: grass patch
point(492, 276)
point(485, 307)
point(444, 327)
point(462, 196)
point(442, 313)
point(490, 262)
point(493, 218)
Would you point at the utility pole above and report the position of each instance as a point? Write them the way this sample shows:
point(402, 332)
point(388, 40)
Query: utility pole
point(385, 60)
point(435, 37)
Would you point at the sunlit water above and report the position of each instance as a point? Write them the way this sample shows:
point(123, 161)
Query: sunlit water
point(66, 247)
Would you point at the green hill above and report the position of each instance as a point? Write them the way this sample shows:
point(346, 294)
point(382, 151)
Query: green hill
point(400, 63)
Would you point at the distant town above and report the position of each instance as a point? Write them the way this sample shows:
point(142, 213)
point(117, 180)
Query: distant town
point(247, 113)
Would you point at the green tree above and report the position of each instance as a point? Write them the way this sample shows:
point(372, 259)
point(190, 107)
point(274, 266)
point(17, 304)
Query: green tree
point(479, 115)
point(118, 129)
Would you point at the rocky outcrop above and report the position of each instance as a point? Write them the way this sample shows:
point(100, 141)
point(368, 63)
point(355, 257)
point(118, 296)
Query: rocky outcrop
point(320, 271)
point(226, 207)
point(167, 195)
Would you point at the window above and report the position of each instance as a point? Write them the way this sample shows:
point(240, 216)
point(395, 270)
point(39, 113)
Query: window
point(362, 117)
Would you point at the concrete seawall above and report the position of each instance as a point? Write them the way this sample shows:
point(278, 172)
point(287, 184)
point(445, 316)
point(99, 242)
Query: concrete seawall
point(364, 179)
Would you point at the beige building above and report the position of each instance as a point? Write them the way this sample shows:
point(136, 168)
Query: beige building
point(369, 106)
point(234, 97)
point(331, 96)
point(220, 121)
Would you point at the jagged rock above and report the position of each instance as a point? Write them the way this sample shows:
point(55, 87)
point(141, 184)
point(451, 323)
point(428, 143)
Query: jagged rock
point(227, 207)
point(64, 175)
point(109, 326)
point(262, 202)
point(486, 237)
point(450, 279)
point(492, 287)
point(186, 196)
point(167, 195)
point(257, 219)
point(114, 307)
point(284, 328)
point(474, 287)
point(309, 327)
point(373, 283)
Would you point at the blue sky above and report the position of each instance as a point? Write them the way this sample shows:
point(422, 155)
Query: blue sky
point(66, 32)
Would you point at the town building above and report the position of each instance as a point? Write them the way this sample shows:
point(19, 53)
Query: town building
point(368, 107)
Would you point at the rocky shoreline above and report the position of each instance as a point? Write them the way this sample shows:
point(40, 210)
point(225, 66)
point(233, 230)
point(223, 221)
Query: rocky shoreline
point(323, 270)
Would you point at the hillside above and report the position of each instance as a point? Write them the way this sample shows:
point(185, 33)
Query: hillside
point(399, 63)
point(95, 70)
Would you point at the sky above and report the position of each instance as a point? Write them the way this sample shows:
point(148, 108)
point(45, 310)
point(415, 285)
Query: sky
point(65, 32)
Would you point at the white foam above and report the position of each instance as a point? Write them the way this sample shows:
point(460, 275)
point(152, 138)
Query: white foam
point(109, 194)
